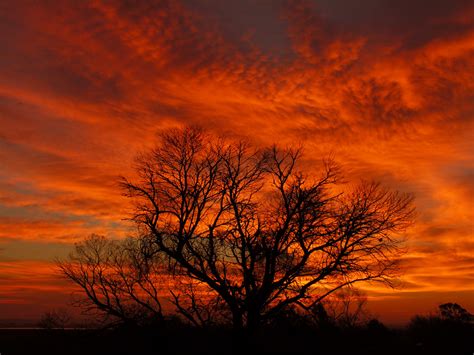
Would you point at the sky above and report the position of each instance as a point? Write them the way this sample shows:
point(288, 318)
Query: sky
point(385, 86)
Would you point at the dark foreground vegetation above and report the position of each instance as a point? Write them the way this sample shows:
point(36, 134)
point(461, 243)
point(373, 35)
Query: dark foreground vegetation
point(450, 331)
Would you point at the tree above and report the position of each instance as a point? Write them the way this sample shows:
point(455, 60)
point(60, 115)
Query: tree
point(120, 281)
point(346, 308)
point(55, 319)
point(247, 235)
point(254, 229)
point(454, 313)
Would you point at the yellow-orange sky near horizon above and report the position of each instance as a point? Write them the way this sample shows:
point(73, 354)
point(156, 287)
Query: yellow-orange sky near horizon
point(386, 86)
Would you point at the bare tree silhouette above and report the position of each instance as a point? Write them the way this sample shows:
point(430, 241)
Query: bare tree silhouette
point(257, 231)
point(120, 282)
point(55, 319)
point(346, 308)
point(245, 233)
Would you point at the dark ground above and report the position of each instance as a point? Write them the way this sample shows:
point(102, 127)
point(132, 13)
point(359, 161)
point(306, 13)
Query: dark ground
point(374, 339)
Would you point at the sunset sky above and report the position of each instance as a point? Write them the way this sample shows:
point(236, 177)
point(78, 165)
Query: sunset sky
point(386, 86)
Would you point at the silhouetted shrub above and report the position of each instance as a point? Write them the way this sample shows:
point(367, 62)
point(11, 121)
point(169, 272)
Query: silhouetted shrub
point(450, 329)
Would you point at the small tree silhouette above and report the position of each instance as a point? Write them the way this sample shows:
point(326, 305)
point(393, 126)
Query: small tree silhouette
point(454, 312)
point(246, 234)
point(118, 278)
point(346, 308)
point(55, 319)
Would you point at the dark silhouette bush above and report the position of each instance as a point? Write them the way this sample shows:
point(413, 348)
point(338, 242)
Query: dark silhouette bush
point(451, 329)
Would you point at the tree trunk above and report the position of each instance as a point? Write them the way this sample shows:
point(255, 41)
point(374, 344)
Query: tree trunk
point(237, 320)
point(253, 321)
